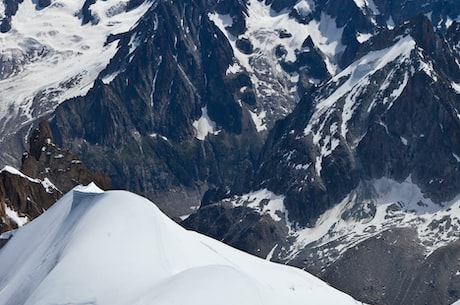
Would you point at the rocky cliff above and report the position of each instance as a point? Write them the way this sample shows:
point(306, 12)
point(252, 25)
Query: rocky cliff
point(47, 173)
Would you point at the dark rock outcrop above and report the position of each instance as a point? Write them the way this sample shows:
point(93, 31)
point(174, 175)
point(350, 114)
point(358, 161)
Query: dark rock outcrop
point(47, 173)
point(11, 7)
point(386, 281)
point(239, 227)
point(27, 197)
point(44, 3)
point(46, 160)
point(139, 127)
point(402, 275)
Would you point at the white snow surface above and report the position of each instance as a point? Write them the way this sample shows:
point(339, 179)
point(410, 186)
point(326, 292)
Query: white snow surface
point(58, 57)
point(456, 87)
point(264, 27)
point(117, 248)
point(19, 220)
point(264, 202)
point(204, 125)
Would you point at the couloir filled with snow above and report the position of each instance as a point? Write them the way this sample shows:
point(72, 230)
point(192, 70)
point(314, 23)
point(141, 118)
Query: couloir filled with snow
point(95, 247)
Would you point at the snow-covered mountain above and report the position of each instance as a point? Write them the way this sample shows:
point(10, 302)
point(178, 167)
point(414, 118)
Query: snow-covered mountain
point(50, 54)
point(369, 157)
point(95, 247)
point(319, 133)
point(171, 77)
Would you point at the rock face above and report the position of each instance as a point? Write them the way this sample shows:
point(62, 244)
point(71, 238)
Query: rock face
point(381, 117)
point(47, 173)
point(388, 281)
point(171, 104)
point(402, 276)
point(46, 160)
point(25, 196)
point(239, 227)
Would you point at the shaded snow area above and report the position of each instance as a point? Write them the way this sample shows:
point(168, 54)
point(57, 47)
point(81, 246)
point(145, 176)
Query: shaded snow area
point(204, 125)
point(116, 248)
point(374, 208)
point(49, 56)
point(268, 31)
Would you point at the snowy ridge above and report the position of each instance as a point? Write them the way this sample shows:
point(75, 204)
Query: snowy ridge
point(91, 244)
point(12, 170)
point(49, 56)
point(357, 77)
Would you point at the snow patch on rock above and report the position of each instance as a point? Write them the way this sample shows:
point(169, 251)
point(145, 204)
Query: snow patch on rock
point(204, 125)
point(264, 202)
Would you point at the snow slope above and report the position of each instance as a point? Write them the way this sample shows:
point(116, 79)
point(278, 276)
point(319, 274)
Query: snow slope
point(95, 247)
point(49, 55)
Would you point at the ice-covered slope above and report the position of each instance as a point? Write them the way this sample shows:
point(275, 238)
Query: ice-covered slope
point(95, 247)
point(50, 54)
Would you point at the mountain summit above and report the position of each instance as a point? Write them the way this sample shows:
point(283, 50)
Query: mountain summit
point(114, 247)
